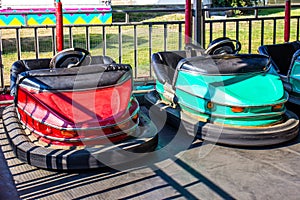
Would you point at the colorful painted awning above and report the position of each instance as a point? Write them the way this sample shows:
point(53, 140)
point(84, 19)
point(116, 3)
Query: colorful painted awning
point(46, 16)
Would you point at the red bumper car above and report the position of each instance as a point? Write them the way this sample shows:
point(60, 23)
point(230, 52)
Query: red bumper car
point(75, 111)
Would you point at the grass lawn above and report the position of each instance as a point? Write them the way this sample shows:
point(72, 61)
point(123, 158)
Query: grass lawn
point(96, 44)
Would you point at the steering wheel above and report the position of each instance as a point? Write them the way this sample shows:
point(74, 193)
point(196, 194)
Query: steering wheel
point(68, 58)
point(223, 45)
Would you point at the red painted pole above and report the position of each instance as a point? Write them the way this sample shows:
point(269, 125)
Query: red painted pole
point(59, 27)
point(188, 21)
point(287, 20)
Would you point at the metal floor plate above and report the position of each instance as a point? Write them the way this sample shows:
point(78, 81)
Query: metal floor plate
point(178, 170)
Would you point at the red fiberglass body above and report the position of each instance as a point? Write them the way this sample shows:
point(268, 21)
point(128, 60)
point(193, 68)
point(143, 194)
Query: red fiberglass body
point(72, 114)
point(80, 113)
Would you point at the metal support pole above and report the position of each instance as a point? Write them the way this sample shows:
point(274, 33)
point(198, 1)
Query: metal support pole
point(287, 20)
point(1, 71)
point(1, 62)
point(198, 23)
point(59, 27)
point(188, 21)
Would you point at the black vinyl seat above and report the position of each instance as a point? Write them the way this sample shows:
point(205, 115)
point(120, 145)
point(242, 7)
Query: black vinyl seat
point(281, 55)
point(165, 63)
point(21, 66)
point(92, 76)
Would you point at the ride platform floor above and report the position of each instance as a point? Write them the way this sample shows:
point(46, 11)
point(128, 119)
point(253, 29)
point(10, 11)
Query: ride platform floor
point(179, 169)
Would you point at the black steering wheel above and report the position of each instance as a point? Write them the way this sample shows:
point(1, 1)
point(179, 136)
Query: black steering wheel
point(72, 57)
point(223, 45)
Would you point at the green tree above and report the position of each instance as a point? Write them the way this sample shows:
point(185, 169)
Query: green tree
point(233, 3)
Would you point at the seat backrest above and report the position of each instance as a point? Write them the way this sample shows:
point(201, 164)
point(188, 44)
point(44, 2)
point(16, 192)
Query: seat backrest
point(280, 54)
point(295, 57)
point(25, 65)
point(165, 63)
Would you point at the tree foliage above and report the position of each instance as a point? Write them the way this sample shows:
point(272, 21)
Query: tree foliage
point(233, 3)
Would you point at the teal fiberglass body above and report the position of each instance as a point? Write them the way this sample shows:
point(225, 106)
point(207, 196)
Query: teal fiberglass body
point(233, 92)
point(285, 61)
point(255, 93)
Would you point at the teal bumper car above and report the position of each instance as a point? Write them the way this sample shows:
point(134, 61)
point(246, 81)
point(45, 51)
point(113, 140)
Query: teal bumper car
point(226, 98)
point(285, 61)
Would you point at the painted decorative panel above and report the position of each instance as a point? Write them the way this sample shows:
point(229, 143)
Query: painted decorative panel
point(46, 16)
